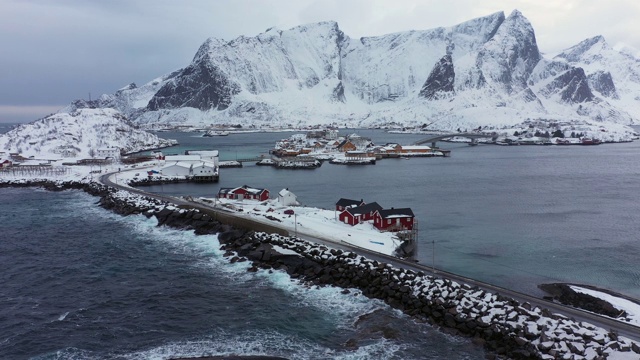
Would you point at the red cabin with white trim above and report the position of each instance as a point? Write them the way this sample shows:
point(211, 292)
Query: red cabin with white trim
point(394, 219)
point(244, 192)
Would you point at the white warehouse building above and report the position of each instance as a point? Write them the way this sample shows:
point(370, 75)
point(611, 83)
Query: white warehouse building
point(108, 152)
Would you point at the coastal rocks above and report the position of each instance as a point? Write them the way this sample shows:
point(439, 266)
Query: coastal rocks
point(507, 328)
point(502, 325)
point(567, 296)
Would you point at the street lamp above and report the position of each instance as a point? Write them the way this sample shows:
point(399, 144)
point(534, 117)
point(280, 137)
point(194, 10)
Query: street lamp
point(295, 224)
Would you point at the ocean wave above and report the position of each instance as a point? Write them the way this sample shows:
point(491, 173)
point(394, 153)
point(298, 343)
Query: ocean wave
point(264, 343)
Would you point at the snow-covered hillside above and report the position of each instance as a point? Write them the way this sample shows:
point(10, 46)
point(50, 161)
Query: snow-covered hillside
point(484, 72)
point(78, 135)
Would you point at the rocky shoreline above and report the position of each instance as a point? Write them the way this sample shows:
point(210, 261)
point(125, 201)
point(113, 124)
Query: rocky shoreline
point(564, 294)
point(505, 327)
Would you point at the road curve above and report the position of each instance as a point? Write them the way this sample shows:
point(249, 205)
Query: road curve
point(623, 329)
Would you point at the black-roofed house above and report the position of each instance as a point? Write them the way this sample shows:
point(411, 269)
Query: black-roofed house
point(359, 214)
point(394, 219)
point(343, 204)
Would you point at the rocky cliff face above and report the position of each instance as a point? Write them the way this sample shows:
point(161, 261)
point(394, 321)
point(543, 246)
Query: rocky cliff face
point(492, 73)
point(441, 80)
point(201, 85)
point(602, 82)
point(572, 86)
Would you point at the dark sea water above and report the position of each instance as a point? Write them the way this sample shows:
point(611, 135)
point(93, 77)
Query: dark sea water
point(514, 216)
point(78, 282)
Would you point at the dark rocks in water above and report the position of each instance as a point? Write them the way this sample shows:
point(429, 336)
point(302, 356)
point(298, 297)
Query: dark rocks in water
point(567, 296)
point(441, 80)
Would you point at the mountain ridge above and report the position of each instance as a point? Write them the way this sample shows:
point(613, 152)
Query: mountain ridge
point(316, 74)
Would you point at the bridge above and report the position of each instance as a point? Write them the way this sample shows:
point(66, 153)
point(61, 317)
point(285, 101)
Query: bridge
point(473, 136)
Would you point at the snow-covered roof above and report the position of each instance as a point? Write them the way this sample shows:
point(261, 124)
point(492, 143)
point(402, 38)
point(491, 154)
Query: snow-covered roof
point(285, 192)
point(415, 147)
point(204, 164)
point(182, 158)
point(250, 190)
point(396, 213)
point(364, 209)
point(207, 153)
point(180, 164)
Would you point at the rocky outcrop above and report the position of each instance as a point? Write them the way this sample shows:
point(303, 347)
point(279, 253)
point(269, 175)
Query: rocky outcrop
point(572, 86)
point(441, 81)
point(567, 296)
point(602, 82)
point(201, 85)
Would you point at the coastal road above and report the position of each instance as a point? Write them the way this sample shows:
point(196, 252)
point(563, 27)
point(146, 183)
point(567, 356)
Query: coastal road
point(623, 329)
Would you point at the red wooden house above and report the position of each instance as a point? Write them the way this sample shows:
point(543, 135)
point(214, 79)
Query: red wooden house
point(346, 145)
point(394, 219)
point(343, 204)
point(5, 163)
point(244, 192)
point(356, 215)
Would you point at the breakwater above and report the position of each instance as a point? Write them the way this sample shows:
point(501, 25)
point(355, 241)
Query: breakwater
point(502, 325)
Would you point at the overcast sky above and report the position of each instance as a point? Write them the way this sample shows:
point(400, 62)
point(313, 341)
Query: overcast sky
point(55, 51)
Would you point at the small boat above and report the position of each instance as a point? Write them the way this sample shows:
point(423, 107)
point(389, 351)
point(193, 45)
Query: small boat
point(590, 141)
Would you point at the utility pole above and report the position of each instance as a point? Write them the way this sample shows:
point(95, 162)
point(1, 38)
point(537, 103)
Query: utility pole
point(295, 224)
point(433, 256)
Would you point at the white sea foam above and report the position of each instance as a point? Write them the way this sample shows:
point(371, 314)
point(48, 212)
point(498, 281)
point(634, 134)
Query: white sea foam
point(264, 343)
point(63, 316)
point(329, 299)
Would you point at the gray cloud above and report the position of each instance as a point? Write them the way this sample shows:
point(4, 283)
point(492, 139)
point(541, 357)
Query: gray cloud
point(57, 51)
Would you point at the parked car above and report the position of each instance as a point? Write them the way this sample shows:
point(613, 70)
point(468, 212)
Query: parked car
point(289, 212)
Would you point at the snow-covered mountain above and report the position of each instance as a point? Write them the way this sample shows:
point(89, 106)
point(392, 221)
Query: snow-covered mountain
point(484, 72)
point(78, 134)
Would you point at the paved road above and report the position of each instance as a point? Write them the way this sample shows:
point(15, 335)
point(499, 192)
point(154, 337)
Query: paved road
point(623, 329)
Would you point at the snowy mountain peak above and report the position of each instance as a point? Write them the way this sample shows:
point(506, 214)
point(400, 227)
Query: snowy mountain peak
point(577, 52)
point(209, 45)
point(483, 71)
point(511, 54)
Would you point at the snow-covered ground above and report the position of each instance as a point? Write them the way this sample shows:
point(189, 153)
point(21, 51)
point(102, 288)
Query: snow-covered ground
point(632, 308)
point(313, 222)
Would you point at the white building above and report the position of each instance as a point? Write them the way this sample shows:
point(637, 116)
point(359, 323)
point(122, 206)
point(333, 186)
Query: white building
point(206, 155)
point(178, 168)
point(110, 152)
point(204, 168)
point(287, 198)
point(197, 170)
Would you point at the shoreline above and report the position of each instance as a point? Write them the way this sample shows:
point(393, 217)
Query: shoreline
point(500, 324)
